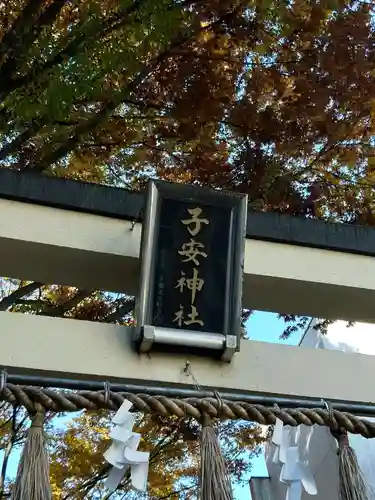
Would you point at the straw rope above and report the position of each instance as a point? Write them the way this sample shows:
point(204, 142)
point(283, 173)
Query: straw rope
point(70, 401)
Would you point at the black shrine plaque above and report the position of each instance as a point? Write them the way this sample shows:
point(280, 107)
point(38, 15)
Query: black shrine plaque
point(194, 240)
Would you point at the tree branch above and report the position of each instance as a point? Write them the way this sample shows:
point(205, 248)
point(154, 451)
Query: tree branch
point(51, 157)
point(89, 483)
point(8, 450)
point(59, 311)
point(21, 139)
point(118, 20)
point(173, 493)
point(21, 43)
point(18, 294)
point(11, 38)
point(120, 312)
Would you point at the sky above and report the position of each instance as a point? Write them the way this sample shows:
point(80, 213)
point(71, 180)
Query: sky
point(261, 326)
point(265, 327)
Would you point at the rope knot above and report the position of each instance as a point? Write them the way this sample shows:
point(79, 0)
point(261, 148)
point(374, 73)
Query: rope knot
point(38, 418)
point(207, 420)
point(3, 381)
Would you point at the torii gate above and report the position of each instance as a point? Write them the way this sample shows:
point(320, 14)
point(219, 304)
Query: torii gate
point(84, 235)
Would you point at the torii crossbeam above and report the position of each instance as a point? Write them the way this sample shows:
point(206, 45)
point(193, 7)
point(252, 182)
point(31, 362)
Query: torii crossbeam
point(66, 232)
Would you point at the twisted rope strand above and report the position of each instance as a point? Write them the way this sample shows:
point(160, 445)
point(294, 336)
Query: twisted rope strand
point(69, 401)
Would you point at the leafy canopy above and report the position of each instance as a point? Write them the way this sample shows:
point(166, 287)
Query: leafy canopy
point(273, 98)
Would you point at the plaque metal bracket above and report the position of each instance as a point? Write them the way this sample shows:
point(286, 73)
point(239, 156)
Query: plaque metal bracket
point(150, 335)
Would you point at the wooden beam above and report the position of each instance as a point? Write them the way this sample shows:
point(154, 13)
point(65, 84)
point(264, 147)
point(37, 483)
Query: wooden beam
point(118, 203)
point(80, 349)
point(52, 245)
point(92, 251)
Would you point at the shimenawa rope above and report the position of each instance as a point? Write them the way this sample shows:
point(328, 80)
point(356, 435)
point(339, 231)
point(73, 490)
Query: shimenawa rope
point(66, 401)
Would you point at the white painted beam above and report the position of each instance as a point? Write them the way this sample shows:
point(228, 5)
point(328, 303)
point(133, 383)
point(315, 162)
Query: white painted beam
point(79, 349)
point(95, 252)
point(69, 248)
